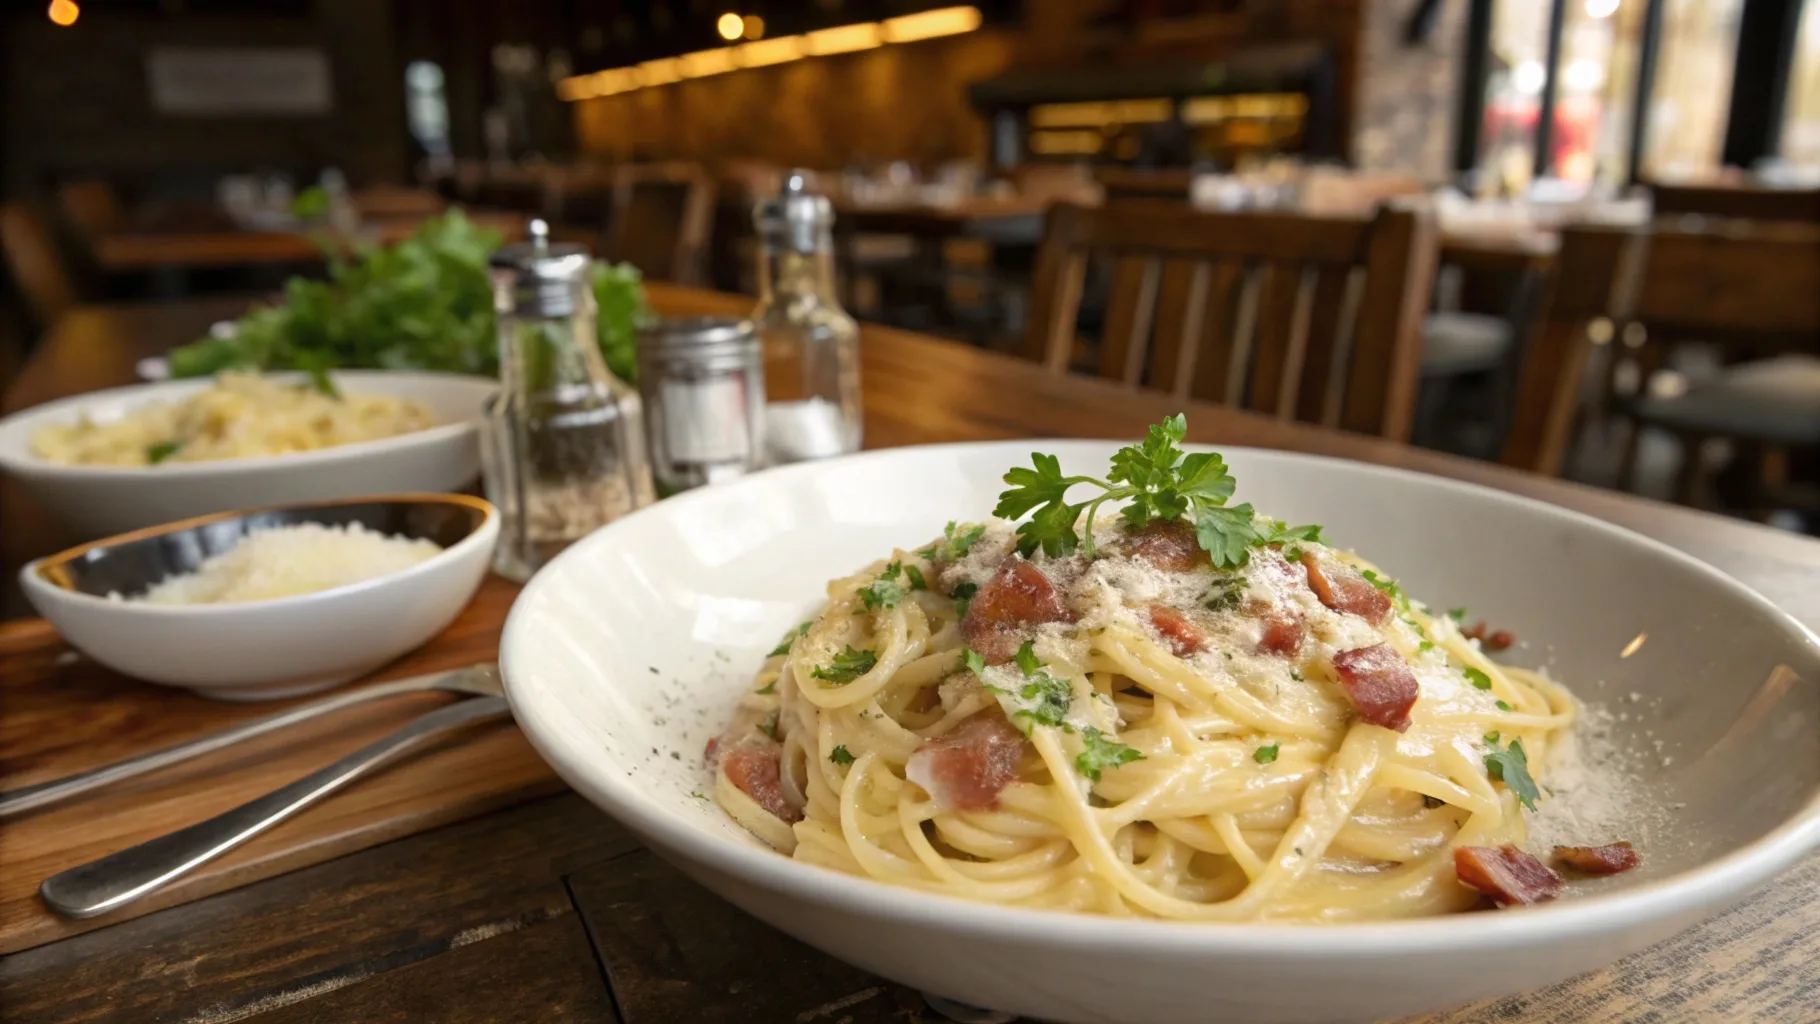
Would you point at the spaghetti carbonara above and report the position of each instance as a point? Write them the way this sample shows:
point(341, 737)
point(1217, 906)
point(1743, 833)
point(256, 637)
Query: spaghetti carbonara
point(1157, 719)
point(239, 416)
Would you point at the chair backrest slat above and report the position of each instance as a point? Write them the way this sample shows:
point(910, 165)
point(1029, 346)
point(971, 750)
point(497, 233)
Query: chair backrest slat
point(662, 214)
point(1293, 316)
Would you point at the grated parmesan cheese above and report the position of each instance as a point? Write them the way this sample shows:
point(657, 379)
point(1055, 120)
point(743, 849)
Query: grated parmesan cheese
point(286, 561)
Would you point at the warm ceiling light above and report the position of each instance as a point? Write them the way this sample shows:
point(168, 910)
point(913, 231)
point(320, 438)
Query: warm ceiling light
point(771, 51)
point(730, 26)
point(948, 21)
point(660, 72)
point(708, 62)
point(1601, 8)
point(845, 39)
point(64, 12)
point(754, 27)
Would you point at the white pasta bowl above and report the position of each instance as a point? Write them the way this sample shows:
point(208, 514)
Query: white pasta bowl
point(93, 501)
point(636, 643)
point(264, 650)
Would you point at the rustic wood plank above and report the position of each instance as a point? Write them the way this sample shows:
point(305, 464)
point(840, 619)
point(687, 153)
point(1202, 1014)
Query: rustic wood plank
point(542, 974)
point(1276, 363)
point(66, 714)
point(310, 932)
point(1180, 318)
point(673, 951)
point(1387, 341)
point(1223, 339)
point(1130, 307)
point(1332, 312)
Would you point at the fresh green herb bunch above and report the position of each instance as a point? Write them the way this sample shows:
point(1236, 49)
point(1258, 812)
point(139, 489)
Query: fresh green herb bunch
point(1161, 484)
point(423, 304)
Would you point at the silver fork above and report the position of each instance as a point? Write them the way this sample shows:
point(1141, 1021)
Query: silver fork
point(480, 679)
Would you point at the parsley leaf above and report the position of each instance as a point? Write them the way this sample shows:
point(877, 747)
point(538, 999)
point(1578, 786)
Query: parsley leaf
point(1425, 646)
point(840, 755)
point(957, 542)
point(885, 591)
point(1026, 659)
point(1478, 679)
point(783, 646)
point(1492, 737)
point(1457, 614)
point(1101, 753)
point(1283, 533)
point(770, 688)
point(1504, 706)
point(847, 666)
point(1386, 584)
point(1265, 755)
point(1511, 767)
point(1052, 696)
point(963, 598)
point(915, 576)
point(1224, 595)
point(1227, 534)
point(972, 662)
point(769, 725)
point(156, 453)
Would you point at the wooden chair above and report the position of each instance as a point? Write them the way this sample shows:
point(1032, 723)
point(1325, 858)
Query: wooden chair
point(1742, 202)
point(92, 208)
point(1314, 319)
point(39, 274)
point(662, 215)
point(1752, 288)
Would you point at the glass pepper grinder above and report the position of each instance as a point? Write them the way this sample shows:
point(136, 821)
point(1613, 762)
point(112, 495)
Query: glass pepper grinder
point(564, 441)
point(811, 345)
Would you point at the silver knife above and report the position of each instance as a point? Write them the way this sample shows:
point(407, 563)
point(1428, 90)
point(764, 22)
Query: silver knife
point(120, 878)
point(476, 679)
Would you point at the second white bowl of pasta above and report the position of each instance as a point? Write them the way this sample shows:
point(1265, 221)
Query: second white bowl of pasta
point(130, 457)
point(1199, 761)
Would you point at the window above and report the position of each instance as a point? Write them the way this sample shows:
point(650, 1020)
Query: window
point(1801, 129)
point(1692, 89)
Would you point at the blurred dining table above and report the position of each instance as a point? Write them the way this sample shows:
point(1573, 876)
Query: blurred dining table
point(199, 236)
point(466, 884)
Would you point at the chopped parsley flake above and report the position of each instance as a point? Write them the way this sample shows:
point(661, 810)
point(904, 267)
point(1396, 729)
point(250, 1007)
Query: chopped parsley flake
point(770, 688)
point(847, 666)
point(1225, 594)
point(1511, 767)
point(769, 725)
point(885, 591)
point(1457, 614)
point(698, 794)
point(1387, 585)
point(156, 453)
point(1425, 646)
point(839, 755)
point(1505, 706)
point(1492, 737)
point(1100, 753)
point(915, 576)
point(1293, 674)
point(1267, 754)
point(1026, 659)
point(963, 598)
point(972, 662)
point(783, 646)
point(1478, 678)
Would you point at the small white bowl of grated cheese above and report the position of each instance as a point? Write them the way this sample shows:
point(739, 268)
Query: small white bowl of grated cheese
point(270, 603)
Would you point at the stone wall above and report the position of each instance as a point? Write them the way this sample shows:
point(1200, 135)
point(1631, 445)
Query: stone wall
point(1405, 93)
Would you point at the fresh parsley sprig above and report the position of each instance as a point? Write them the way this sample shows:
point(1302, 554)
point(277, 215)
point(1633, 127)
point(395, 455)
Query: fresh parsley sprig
point(1160, 484)
point(885, 591)
point(847, 666)
point(1099, 753)
point(1511, 767)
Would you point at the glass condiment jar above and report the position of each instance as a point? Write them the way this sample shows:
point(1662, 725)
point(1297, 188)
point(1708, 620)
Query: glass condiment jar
point(811, 345)
point(703, 389)
point(564, 442)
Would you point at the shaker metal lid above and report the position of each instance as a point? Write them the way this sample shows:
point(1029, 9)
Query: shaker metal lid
point(538, 277)
point(696, 332)
point(796, 214)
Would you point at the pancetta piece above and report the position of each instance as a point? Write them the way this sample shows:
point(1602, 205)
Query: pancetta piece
point(968, 767)
point(1489, 639)
point(1283, 631)
point(1170, 545)
point(1379, 684)
point(752, 766)
point(1018, 597)
point(1183, 637)
point(1343, 590)
point(1506, 874)
point(1610, 859)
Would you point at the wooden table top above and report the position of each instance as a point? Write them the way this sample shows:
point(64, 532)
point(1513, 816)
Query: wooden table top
point(209, 242)
point(547, 910)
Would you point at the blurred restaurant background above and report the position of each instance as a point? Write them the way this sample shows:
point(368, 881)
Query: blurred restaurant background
point(157, 151)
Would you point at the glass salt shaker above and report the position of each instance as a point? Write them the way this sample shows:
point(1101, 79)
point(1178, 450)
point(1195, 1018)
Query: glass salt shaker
point(564, 444)
point(811, 345)
point(704, 393)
